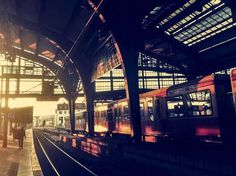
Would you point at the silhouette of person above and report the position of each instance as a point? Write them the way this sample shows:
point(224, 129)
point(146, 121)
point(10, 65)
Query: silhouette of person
point(21, 136)
point(177, 109)
point(14, 131)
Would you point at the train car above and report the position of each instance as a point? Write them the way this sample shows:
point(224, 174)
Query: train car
point(101, 120)
point(233, 84)
point(198, 108)
point(80, 121)
point(115, 117)
point(121, 117)
point(232, 119)
point(151, 109)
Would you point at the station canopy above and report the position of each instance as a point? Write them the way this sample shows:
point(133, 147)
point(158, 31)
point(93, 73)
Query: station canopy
point(196, 36)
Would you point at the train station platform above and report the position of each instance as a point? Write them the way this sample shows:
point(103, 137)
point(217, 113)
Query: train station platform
point(19, 162)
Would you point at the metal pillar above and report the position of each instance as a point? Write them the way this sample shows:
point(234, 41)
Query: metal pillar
point(130, 58)
point(72, 114)
point(129, 46)
point(5, 124)
point(90, 107)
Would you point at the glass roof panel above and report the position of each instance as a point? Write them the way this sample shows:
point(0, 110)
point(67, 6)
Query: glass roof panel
point(192, 25)
point(206, 26)
point(172, 15)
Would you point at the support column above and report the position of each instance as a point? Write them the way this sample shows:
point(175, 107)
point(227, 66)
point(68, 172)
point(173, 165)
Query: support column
point(86, 69)
point(130, 58)
point(72, 114)
point(90, 92)
point(5, 124)
point(129, 48)
point(129, 44)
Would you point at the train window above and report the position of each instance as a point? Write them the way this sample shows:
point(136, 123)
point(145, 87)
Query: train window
point(103, 115)
point(199, 103)
point(126, 112)
point(142, 112)
point(175, 106)
point(150, 111)
point(117, 113)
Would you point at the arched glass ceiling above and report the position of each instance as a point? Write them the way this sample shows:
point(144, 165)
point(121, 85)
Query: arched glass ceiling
point(198, 23)
point(193, 32)
point(31, 42)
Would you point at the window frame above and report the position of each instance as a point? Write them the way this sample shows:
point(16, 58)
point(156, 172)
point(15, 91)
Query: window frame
point(142, 113)
point(153, 111)
point(167, 110)
point(212, 111)
point(185, 104)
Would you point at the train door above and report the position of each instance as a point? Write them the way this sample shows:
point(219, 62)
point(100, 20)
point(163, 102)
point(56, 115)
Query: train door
point(126, 120)
point(142, 114)
point(111, 121)
point(85, 124)
point(103, 120)
point(96, 118)
point(150, 117)
point(118, 123)
point(160, 116)
point(157, 112)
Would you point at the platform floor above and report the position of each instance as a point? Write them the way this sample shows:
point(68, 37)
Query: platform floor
point(15, 161)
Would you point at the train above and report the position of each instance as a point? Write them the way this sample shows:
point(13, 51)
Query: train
point(80, 121)
point(233, 85)
point(202, 108)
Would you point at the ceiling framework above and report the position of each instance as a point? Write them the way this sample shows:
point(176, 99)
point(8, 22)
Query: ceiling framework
point(28, 37)
point(193, 34)
point(189, 35)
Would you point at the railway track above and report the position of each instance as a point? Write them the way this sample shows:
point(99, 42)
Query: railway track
point(55, 161)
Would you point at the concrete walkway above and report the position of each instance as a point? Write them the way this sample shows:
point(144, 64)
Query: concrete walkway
point(19, 162)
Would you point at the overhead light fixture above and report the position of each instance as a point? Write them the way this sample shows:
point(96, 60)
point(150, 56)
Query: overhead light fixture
point(215, 2)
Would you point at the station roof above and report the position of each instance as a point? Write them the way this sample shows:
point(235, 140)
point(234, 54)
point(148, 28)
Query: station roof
point(198, 37)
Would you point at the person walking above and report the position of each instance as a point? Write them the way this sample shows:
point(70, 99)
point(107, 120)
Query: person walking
point(14, 131)
point(21, 135)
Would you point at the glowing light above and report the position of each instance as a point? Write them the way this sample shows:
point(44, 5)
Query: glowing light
point(33, 45)
point(150, 139)
point(101, 108)
point(215, 2)
point(91, 148)
point(64, 139)
point(17, 41)
point(207, 131)
point(74, 144)
point(99, 128)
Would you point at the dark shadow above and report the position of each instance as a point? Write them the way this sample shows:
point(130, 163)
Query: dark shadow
point(13, 169)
